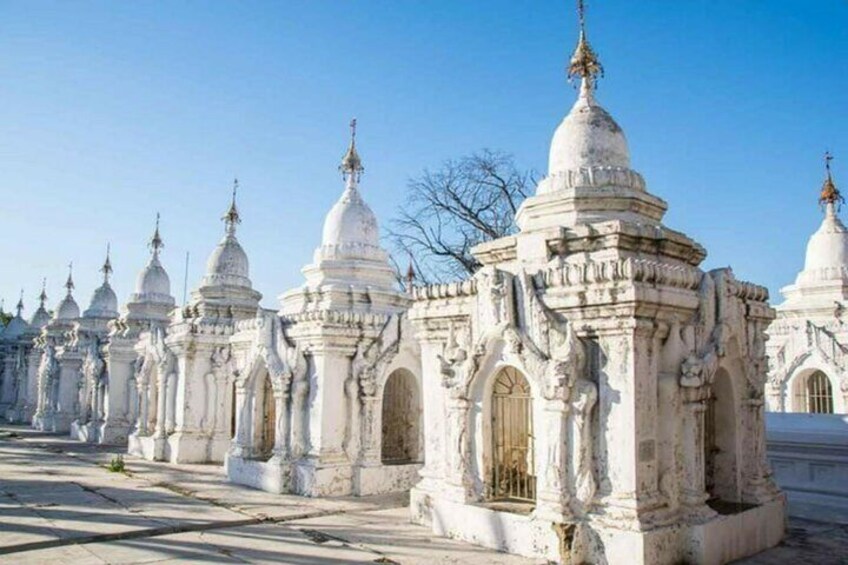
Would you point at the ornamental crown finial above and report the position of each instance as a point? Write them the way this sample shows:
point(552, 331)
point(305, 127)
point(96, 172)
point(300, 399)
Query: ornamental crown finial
point(156, 243)
point(69, 284)
point(584, 62)
point(232, 218)
point(106, 269)
point(20, 306)
point(351, 166)
point(43, 296)
point(829, 193)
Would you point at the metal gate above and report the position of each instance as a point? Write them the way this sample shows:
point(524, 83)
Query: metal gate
point(513, 470)
point(819, 394)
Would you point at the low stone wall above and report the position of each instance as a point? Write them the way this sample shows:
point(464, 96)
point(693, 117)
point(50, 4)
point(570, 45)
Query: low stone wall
point(809, 456)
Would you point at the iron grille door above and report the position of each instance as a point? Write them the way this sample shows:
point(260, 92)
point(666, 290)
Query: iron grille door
point(513, 472)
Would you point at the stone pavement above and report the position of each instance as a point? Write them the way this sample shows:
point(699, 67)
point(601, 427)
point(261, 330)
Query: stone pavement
point(59, 504)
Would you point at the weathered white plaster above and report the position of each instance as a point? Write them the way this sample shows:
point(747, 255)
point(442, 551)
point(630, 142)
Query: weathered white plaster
point(326, 358)
point(625, 347)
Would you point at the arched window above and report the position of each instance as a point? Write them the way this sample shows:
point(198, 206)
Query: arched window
point(401, 419)
point(819, 394)
point(513, 470)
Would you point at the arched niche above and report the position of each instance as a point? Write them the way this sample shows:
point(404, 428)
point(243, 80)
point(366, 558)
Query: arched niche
point(401, 426)
point(263, 415)
point(722, 418)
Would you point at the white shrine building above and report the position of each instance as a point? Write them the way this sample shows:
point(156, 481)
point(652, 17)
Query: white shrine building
point(591, 395)
point(808, 341)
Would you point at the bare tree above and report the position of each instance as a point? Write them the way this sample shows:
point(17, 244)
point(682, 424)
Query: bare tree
point(450, 210)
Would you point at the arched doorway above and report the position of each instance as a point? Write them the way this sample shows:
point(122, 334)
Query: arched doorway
point(819, 394)
point(401, 419)
point(513, 475)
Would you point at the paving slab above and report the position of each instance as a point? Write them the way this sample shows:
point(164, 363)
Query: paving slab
point(59, 505)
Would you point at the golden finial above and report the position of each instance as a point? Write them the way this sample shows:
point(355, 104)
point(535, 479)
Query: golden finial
point(106, 269)
point(43, 296)
point(69, 284)
point(584, 62)
point(232, 217)
point(156, 243)
point(351, 163)
point(829, 193)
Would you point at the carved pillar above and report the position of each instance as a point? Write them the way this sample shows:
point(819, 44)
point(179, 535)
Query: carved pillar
point(693, 495)
point(300, 391)
point(170, 402)
point(144, 406)
point(356, 431)
point(457, 441)
point(240, 445)
point(370, 430)
point(554, 494)
point(758, 488)
point(161, 401)
point(281, 434)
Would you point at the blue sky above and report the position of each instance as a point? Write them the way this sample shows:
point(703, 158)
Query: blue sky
point(112, 111)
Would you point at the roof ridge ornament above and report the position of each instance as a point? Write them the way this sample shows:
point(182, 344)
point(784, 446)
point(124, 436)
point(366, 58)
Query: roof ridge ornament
point(20, 306)
point(584, 63)
point(351, 166)
point(106, 269)
point(830, 196)
point(156, 244)
point(232, 218)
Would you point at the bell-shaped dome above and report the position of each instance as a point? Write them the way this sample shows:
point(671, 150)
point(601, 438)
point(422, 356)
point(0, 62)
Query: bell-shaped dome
point(227, 264)
point(350, 221)
point(17, 326)
point(588, 137)
point(40, 318)
point(67, 309)
point(153, 279)
point(104, 302)
point(827, 251)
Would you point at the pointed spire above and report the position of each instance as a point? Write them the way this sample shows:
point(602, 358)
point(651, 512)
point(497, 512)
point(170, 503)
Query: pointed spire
point(156, 244)
point(106, 269)
point(351, 167)
point(410, 276)
point(584, 62)
point(20, 306)
point(830, 196)
point(232, 217)
point(69, 284)
point(43, 296)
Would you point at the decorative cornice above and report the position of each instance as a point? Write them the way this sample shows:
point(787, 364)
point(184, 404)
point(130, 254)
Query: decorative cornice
point(592, 177)
point(622, 270)
point(445, 290)
point(337, 317)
